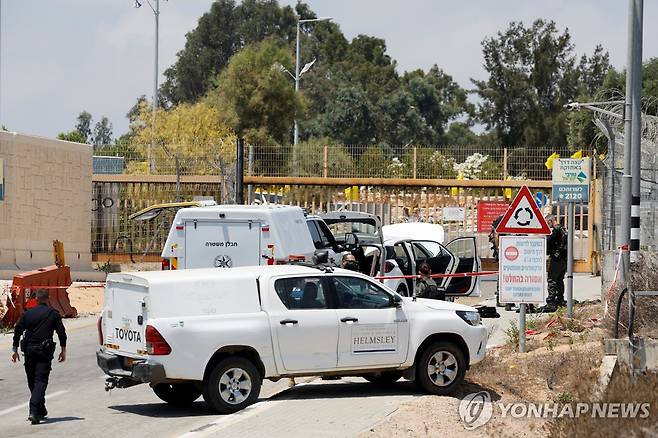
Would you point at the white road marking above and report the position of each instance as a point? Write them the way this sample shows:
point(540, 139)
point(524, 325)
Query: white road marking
point(24, 405)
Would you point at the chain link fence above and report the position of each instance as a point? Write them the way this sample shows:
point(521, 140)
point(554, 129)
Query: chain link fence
point(125, 182)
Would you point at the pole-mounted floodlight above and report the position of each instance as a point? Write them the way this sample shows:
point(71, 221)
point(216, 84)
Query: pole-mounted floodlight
point(137, 4)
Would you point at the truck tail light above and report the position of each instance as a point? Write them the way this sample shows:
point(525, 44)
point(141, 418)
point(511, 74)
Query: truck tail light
point(166, 265)
point(388, 267)
point(296, 258)
point(156, 345)
point(99, 326)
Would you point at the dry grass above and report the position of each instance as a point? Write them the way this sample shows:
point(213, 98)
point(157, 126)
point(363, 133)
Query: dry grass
point(644, 277)
point(623, 388)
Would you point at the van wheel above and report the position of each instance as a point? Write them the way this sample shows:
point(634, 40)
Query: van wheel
point(232, 385)
point(178, 394)
point(402, 290)
point(441, 368)
point(383, 378)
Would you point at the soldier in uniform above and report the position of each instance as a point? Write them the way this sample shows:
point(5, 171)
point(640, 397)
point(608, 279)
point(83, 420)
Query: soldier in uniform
point(556, 249)
point(38, 325)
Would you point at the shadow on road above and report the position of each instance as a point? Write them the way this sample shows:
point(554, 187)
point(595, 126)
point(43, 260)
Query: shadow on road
point(61, 419)
point(318, 389)
point(350, 389)
point(164, 410)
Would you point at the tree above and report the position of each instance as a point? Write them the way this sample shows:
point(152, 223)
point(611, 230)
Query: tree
point(73, 136)
point(220, 34)
point(190, 134)
point(84, 126)
point(532, 74)
point(102, 132)
point(254, 97)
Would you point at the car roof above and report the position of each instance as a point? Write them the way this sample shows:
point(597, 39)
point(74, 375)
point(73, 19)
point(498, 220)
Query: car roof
point(211, 273)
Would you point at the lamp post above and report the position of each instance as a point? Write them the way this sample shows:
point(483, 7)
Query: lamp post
point(306, 68)
point(156, 14)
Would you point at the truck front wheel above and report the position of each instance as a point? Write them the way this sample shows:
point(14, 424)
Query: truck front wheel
point(179, 394)
point(441, 368)
point(233, 384)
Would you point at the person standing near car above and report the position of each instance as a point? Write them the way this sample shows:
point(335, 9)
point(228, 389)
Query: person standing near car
point(556, 249)
point(426, 286)
point(39, 324)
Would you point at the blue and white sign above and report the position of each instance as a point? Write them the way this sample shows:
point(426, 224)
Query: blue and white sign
point(541, 199)
point(571, 180)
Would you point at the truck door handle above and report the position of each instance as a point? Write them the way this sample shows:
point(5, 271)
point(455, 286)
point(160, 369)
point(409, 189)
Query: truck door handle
point(349, 319)
point(288, 321)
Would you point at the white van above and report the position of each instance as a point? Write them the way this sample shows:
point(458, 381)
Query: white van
point(225, 236)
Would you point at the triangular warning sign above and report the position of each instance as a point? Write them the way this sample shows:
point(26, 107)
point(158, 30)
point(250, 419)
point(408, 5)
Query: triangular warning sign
point(523, 216)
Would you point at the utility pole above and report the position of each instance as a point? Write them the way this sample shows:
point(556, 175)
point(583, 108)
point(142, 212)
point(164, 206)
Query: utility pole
point(156, 13)
point(296, 134)
point(625, 235)
point(636, 131)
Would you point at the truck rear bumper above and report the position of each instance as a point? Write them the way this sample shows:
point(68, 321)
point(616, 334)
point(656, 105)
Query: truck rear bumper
point(142, 372)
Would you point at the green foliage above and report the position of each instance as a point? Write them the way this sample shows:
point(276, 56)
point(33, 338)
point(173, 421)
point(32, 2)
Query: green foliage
point(222, 32)
point(431, 163)
point(532, 74)
point(512, 334)
point(102, 132)
point(254, 97)
point(73, 136)
point(339, 160)
point(366, 163)
point(84, 126)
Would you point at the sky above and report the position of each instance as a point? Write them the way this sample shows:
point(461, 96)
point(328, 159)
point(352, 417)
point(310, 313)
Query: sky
point(60, 57)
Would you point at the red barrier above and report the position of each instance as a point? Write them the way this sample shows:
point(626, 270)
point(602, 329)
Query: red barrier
point(457, 275)
point(55, 279)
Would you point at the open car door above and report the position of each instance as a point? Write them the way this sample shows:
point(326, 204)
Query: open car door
point(466, 257)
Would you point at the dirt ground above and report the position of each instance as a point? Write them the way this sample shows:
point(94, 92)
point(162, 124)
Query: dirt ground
point(562, 365)
point(87, 298)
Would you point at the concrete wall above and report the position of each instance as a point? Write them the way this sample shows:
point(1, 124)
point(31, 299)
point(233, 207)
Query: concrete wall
point(47, 196)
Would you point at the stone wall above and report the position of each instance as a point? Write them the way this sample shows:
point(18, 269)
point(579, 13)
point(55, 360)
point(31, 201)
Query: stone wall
point(47, 196)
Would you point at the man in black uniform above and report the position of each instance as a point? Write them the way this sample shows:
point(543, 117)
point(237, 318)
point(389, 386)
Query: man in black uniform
point(39, 323)
point(556, 249)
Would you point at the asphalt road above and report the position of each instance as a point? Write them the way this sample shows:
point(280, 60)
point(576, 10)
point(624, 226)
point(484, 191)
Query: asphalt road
point(78, 403)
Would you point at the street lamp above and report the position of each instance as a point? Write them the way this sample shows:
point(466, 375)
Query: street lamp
point(156, 12)
point(306, 68)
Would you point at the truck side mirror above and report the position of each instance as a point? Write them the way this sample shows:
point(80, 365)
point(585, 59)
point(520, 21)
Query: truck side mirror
point(396, 301)
point(320, 257)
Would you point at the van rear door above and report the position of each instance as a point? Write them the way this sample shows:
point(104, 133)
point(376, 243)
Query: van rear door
point(222, 244)
point(125, 317)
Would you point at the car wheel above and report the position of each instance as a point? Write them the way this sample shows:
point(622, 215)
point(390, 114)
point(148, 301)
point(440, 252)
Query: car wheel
point(233, 384)
point(383, 378)
point(441, 368)
point(402, 290)
point(179, 394)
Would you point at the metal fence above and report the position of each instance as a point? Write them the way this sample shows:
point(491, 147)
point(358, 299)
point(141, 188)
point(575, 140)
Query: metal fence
point(330, 160)
point(115, 236)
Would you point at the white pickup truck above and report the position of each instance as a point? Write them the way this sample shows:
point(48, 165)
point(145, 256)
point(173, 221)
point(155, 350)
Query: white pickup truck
point(221, 332)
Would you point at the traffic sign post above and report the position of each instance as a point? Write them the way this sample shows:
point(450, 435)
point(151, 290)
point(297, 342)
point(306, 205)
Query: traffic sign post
point(522, 256)
point(571, 177)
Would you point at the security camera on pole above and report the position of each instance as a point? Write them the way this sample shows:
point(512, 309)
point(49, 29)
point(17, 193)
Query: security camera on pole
point(522, 256)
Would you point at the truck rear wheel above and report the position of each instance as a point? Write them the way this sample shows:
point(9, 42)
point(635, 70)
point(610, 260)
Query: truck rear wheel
point(383, 378)
point(179, 394)
point(233, 384)
point(441, 368)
